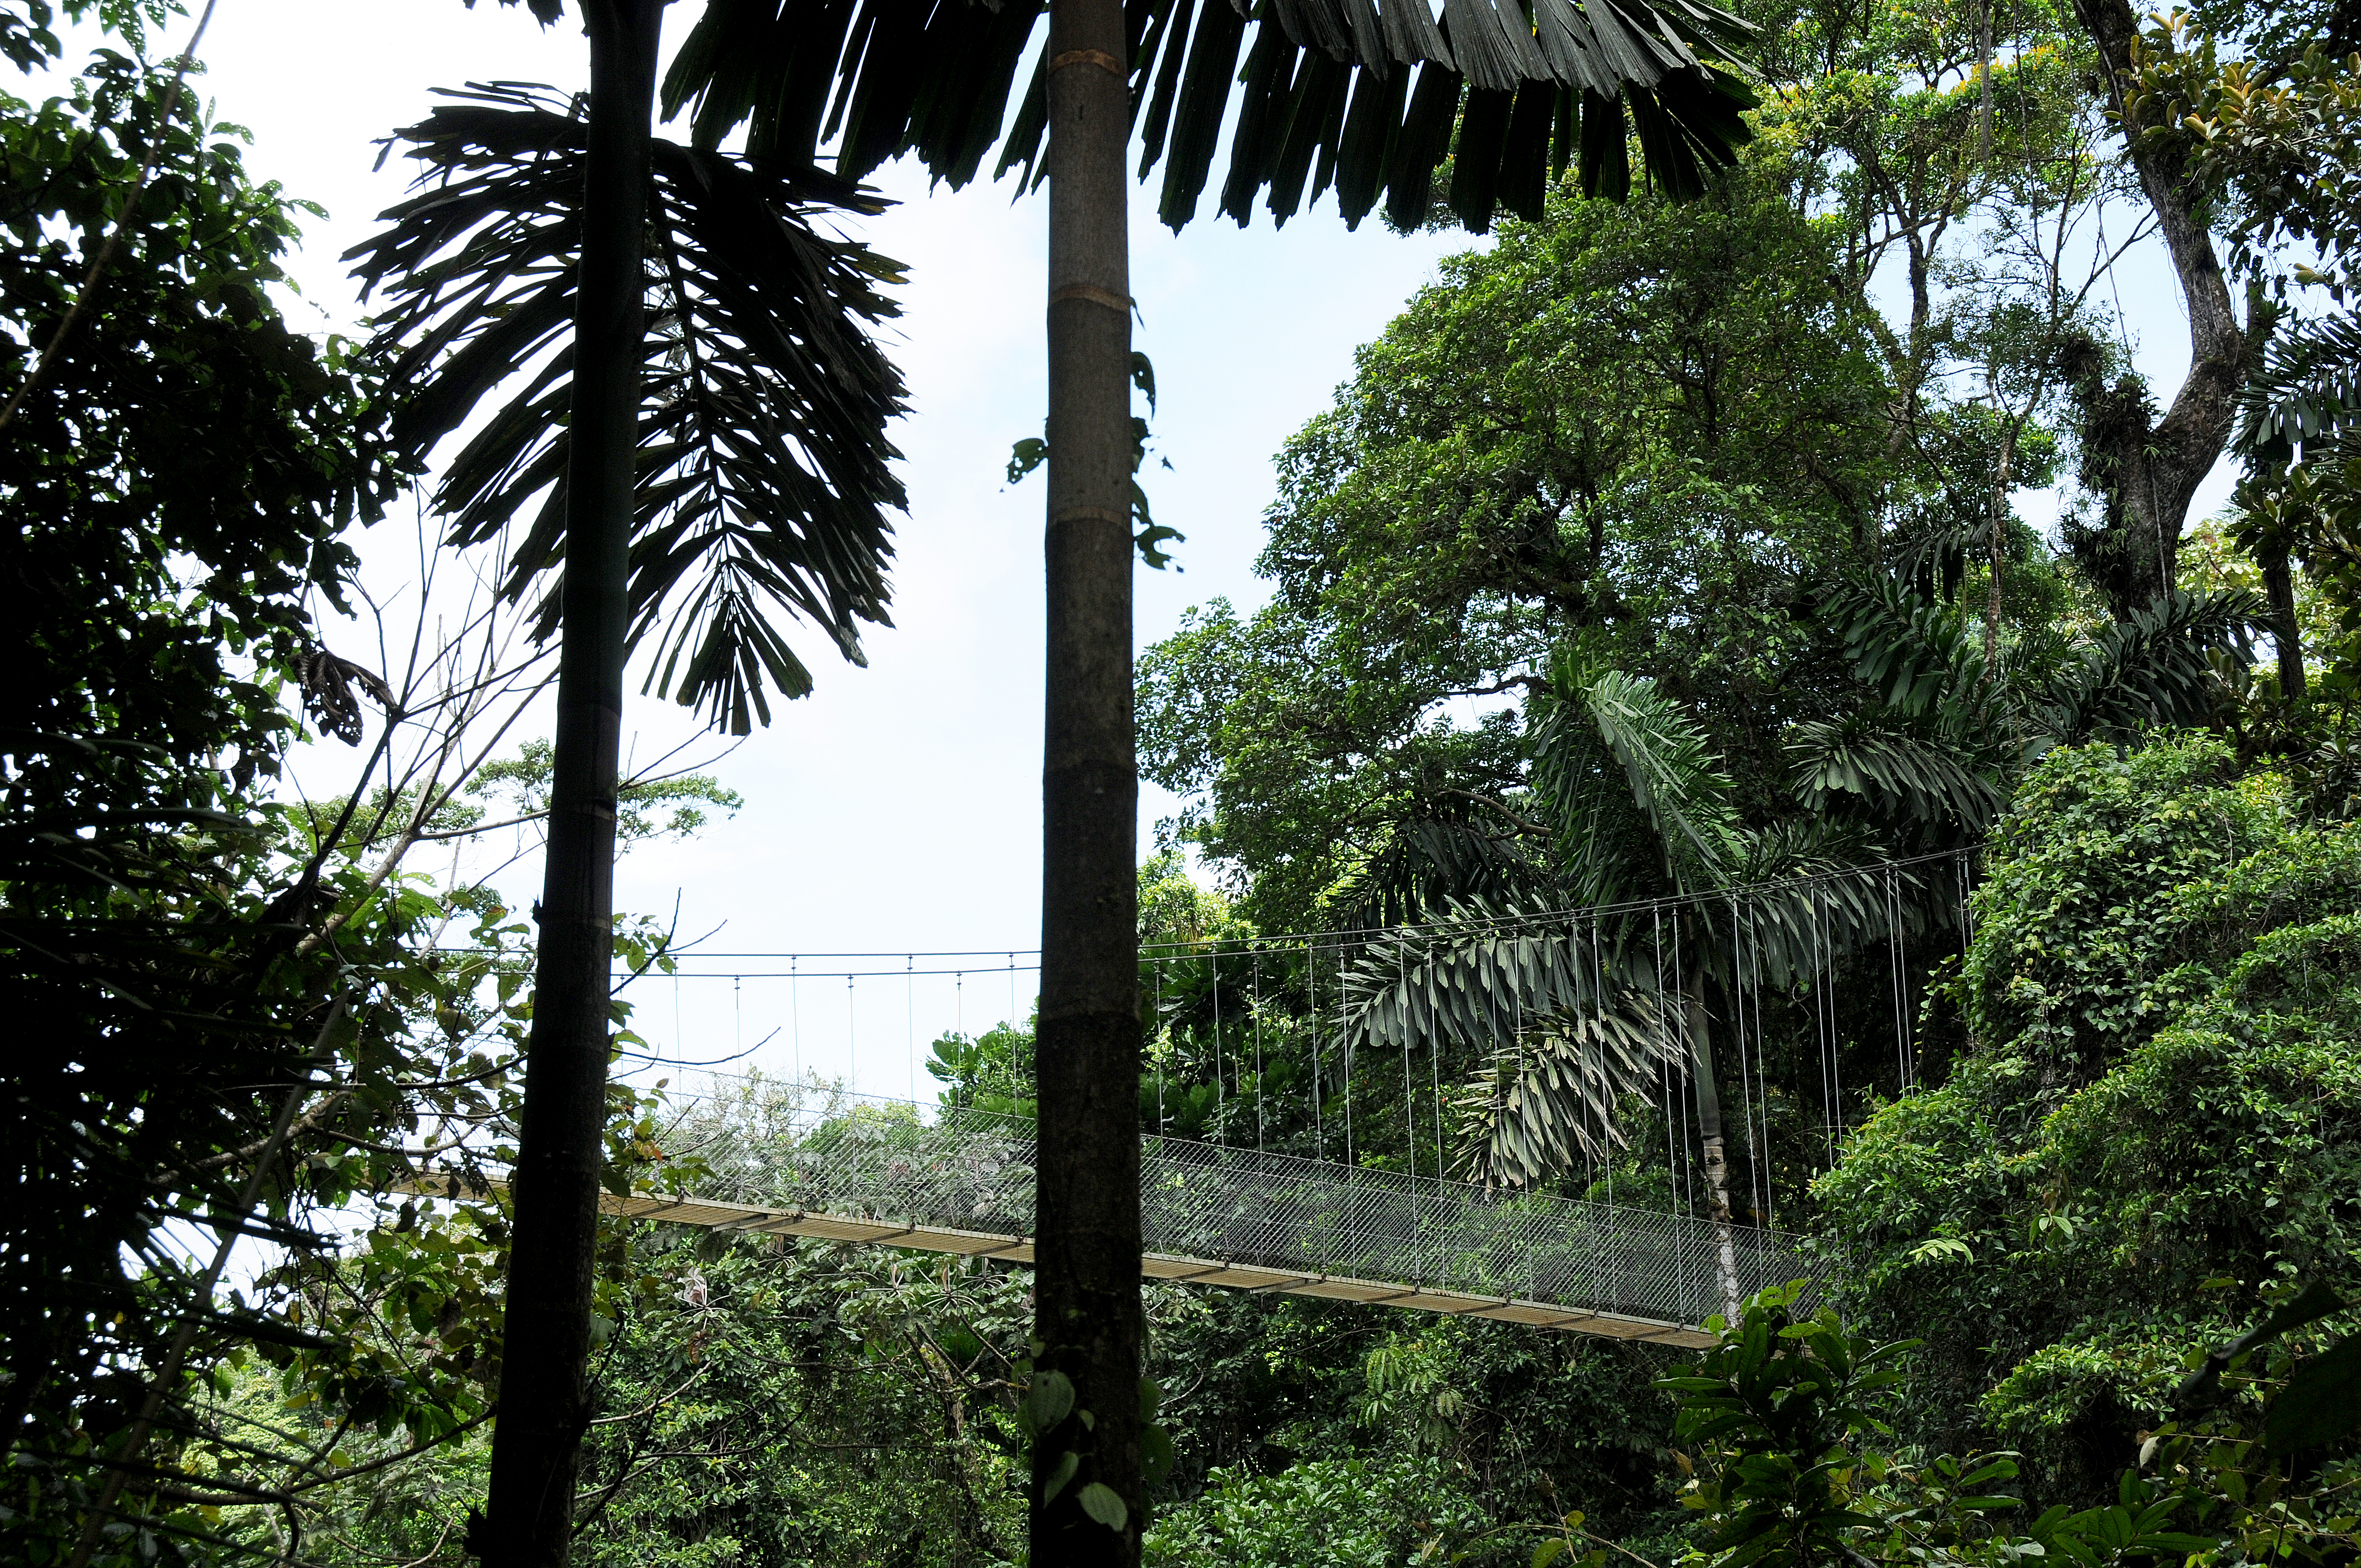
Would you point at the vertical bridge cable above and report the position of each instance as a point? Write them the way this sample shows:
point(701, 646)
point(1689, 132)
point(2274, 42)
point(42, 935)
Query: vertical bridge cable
point(1345, 1044)
point(1831, 1044)
point(1434, 1071)
point(852, 1040)
point(1409, 1108)
point(795, 1018)
point(1664, 1078)
point(1157, 1039)
point(1221, 1112)
point(1664, 1055)
point(1745, 1079)
point(1835, 1041)
point(1821, 1029)
point(1258, 1046)
point(1761, 1065)
point(1013, 1095)
point(1688, 1066)
point(1898, 956)
point(959, 1022)
point(1319, 1084)
point(910, 1018)
point(1599, 1007)
point(1581, 1053)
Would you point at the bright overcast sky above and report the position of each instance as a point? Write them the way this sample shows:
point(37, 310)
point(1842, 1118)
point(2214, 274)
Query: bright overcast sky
point(898, 808)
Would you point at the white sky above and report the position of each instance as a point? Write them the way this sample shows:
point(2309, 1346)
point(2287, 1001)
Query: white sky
point(897, 808)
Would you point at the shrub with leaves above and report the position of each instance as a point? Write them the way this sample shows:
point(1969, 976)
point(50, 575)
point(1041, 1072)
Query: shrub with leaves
point(1795, 1462)
point(2154, 1124)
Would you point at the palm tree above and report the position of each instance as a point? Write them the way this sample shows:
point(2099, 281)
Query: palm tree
point(706, 417)
point(1572, 1017)
point(1515, 97)
point(1949, 735)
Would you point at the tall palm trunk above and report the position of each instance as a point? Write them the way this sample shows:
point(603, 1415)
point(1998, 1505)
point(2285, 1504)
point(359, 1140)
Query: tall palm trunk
point(1087, 1306)
point(537, 1445)
point(1717, 1162)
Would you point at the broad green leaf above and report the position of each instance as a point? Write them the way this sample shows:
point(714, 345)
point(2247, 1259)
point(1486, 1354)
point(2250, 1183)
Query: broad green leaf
point(1102, 1503)
point(1047, 1402)
point(1068, 1462)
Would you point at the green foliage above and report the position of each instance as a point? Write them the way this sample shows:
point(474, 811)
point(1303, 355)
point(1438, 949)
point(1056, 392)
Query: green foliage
point(174, 496)
point(1032, 451)
point(175, 486)
point(1781, 1410)
point(1321, 1513)
point(1631, 429)
point(991, 1071)
point(2152, 1127)
point(670, 806)
point(1794, 1467)
point(1508, 1427)
point(755, 1401)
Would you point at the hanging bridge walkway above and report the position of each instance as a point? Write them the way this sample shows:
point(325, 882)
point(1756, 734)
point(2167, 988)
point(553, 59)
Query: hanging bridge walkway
point(960, 1181)
point(809, 1155)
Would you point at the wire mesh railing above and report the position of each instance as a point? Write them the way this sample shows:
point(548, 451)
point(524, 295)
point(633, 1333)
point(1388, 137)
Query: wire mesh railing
point(802, 1148)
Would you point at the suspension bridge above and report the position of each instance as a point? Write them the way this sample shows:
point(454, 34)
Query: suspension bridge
point(809, 1154)
point(960, 1181)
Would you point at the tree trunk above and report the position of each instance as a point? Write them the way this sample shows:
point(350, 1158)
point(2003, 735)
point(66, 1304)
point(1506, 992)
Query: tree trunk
point(537, 1444)
point(1087, 1309)
point(1998, 553)
point(2151, 472)
point(2287, 635)
point(1717, 1164)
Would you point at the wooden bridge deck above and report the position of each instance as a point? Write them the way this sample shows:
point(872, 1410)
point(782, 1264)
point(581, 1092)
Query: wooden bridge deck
point(706, 1213)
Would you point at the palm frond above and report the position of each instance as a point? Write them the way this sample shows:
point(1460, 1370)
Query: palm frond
point(1606, 849)
point(763, 461)
point(1668, 780)
point(1423, 865)
point(1804, 901)
point(2307, 390)
point(1473, 978)
point(1550, 1097)
point(1557, 1012)
point(1917, 776)
point(1368, 96)
point(2152, 668)
point(1920, 654)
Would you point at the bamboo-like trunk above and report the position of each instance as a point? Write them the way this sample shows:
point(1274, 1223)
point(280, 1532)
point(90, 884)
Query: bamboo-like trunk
point(1087, 1310)
point(1717, 1164)
point(537, 1442)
